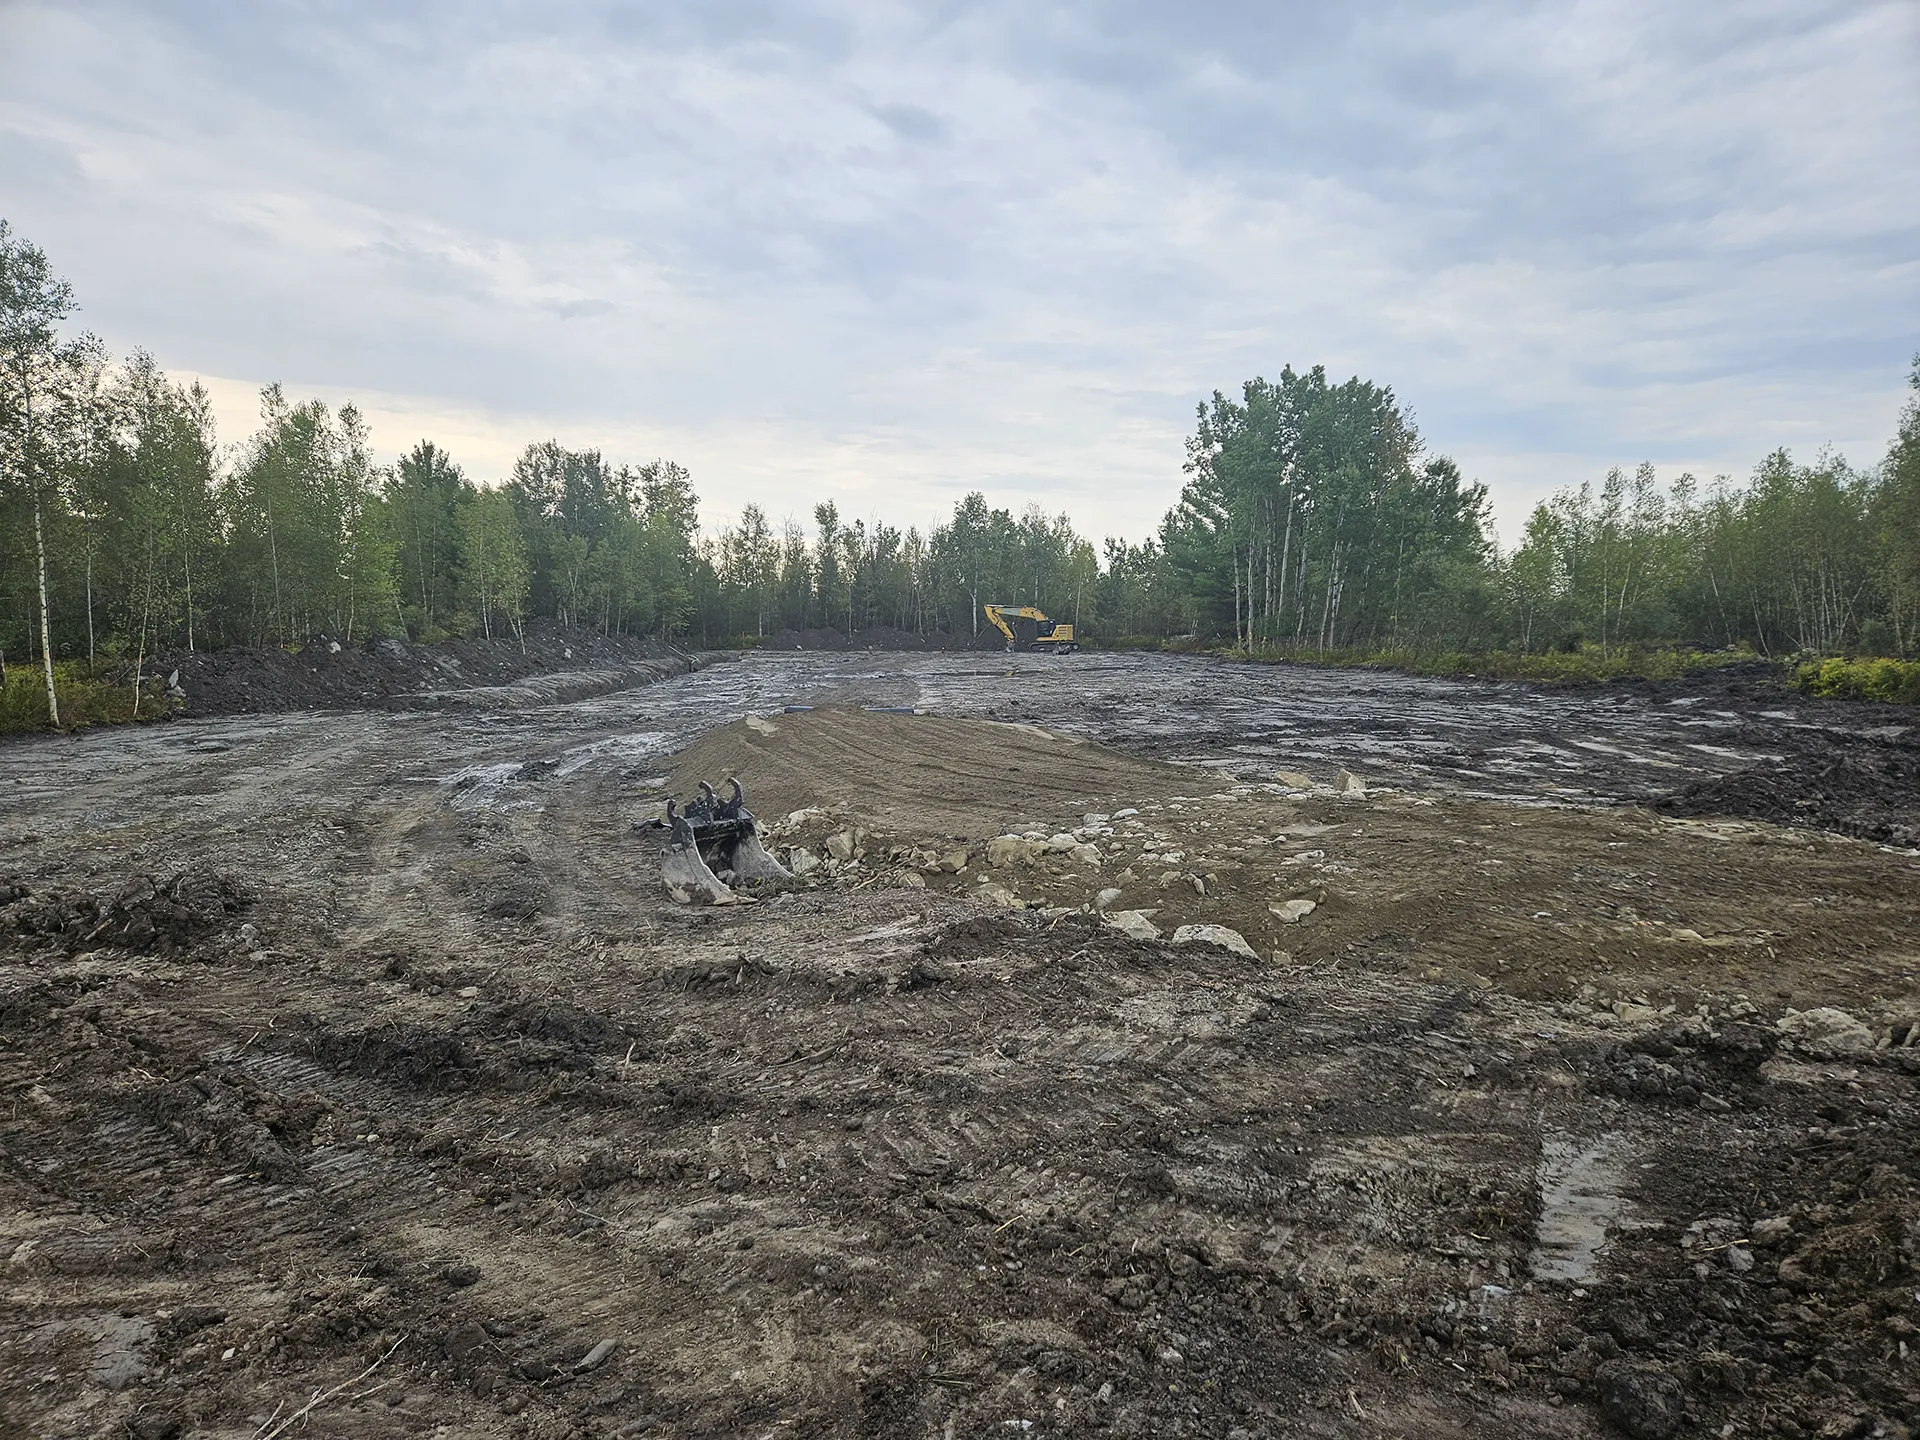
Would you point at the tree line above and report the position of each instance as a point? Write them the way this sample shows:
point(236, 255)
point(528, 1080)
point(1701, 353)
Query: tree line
point(1311, 518)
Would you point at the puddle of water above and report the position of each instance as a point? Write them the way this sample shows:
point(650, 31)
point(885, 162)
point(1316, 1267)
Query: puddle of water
point(1580, 1200)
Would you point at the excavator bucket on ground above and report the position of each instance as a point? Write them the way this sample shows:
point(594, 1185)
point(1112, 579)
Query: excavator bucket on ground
point(712, 847)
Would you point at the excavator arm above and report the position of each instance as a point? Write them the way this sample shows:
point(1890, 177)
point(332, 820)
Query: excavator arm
point(1049, 635)
point(997, 615)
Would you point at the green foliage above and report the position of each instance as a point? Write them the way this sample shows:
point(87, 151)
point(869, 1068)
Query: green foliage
point(84, 700)
point(1311, 522)
point(1836, 677)
point(1309, 518)
point(493, 562)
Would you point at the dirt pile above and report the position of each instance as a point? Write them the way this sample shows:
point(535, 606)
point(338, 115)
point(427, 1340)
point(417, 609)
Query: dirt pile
point(920, 773)
point(1553, 904)
point(1862, 784)
point(144, 914)
point(327, 675)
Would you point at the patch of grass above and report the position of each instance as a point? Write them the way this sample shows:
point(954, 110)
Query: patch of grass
point(1835, 678)
point(84, 700)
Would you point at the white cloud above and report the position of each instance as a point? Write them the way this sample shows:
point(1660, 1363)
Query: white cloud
point(861, 253)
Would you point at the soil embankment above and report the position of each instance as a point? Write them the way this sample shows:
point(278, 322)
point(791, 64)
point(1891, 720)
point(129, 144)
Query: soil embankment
point(362, 1056)
point(552, 663)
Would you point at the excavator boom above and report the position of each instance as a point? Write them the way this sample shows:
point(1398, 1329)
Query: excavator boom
point(1028, 628)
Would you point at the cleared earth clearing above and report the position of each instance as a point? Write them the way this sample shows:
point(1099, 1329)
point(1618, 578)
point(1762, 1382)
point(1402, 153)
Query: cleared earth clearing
point(1497, 1148)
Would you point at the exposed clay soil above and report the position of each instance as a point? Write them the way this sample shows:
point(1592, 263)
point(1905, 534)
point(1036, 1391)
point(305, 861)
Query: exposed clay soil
point(362, 1057)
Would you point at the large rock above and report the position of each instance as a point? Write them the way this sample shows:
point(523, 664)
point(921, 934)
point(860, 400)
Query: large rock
point(1006, 850)
point(1642, 1399)
point(1134, 923)
point(1215, 935)
point(1826, 1030)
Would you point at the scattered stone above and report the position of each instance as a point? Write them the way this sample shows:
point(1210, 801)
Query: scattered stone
point(1348, 783)
point(1776, 1230)
point(995, 893)
point(597, 1356)
point(1106, 897)
point(954, 861)
point(802, 861)
point(840, 845)
point(1292, 912)
point(1218, 935)
point(1826, 1030)
point(1293, 779)
point(1134, 923)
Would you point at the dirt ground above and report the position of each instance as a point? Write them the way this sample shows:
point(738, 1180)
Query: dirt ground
point(361, 1080)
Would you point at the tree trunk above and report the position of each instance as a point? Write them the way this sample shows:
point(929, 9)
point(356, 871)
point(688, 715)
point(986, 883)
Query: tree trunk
point(40, 545)
point(273, 552)
point(91, 665)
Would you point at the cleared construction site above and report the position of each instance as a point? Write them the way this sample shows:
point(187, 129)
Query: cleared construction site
point(1054, 1044)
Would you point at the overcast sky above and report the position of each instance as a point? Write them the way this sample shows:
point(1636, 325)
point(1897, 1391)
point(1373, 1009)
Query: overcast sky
point(885, 254)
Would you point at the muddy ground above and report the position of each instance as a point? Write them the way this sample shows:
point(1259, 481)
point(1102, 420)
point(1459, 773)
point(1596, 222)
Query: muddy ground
point(360, 1079)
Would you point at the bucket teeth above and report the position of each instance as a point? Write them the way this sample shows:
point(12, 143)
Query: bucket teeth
point(714, 844)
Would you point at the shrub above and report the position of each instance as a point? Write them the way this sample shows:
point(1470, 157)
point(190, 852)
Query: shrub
point(1837, 678)
point(84, 700)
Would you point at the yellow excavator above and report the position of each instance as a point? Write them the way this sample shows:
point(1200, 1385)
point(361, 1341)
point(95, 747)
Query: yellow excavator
point(1028, 628)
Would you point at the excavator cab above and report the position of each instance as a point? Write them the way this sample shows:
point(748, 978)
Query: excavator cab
point(1027, 628)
